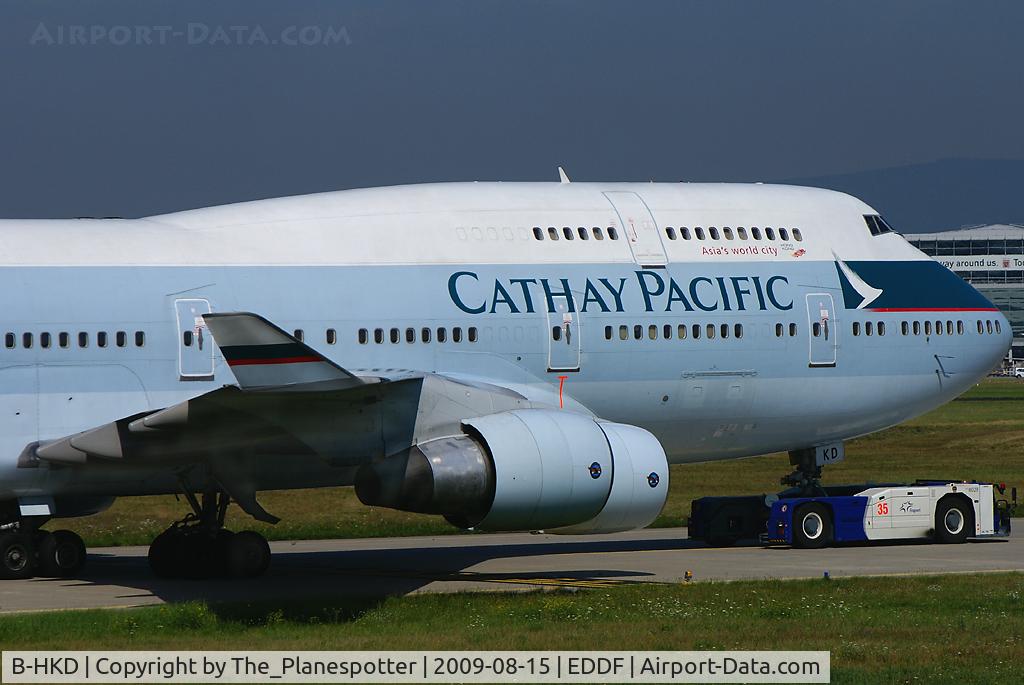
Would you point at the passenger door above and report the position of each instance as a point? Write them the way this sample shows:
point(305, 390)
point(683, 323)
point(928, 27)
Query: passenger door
point(195, 344)
point(565, 338)
point(639, 227)
point(822, 330)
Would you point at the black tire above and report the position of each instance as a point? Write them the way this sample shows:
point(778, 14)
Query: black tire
point(954, 520)
point(60, 554)
point(17, 556)
point(812, 526)
point(165, 554)
point(247, 555)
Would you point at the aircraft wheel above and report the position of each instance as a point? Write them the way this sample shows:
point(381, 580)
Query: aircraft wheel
point(60, 554)
point(16, 556)
point(954, 520)
point(165, 554)
point(247, 555)
point(812, 526)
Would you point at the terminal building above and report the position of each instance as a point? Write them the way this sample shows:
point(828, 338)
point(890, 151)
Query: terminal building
point(991, 258)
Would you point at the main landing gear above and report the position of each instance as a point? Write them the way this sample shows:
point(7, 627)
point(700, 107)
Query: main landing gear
point(198, 546)
point(26, 551)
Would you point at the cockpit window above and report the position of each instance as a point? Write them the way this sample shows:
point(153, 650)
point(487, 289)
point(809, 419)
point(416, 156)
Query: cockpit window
point(877, 225)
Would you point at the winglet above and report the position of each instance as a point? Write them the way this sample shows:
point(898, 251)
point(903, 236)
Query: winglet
point(562, 176)
point(262, 355)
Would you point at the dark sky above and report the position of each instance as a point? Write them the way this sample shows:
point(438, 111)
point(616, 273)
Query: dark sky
point(428, 91)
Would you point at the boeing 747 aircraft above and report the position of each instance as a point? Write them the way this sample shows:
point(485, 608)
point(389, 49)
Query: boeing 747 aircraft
point(511, 356)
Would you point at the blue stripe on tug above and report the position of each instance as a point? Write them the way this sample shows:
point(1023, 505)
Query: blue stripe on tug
point(847, 518)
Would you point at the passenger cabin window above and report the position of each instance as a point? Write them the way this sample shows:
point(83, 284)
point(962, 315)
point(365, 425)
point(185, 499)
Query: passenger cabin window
point(699, 232)
point(456, 334)
point(101, 339)
point(783, 234)
point(63, 339)
point(769, 233)
point(83, 339)
point(471, 334)
point(26, 340)
point(856, 327)
point(442, 335)
point(728, 233)
point(567, 232)
point(378, 335)
point(792, 330)
point(9, 341)
point(140, 338)
point(797, 235)
point(410, 335)
point(364, 336)
point(671, 233)
point(396, 335)
point(584, 235)
point(598, 233)
point(425, 335)
point(714, 233)
point(44, 339)
point(537, 233)
point(331, 336)
point(756, 233)
point(299, 334)
point(186, 339)
point(552, 233)
point(612, 234)
point(742, 233)
point(685, 232)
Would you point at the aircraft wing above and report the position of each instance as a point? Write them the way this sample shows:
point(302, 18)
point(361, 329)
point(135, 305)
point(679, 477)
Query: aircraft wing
point(291, 403)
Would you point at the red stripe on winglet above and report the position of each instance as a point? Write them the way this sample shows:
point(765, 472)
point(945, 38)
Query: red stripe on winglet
point(282, 360)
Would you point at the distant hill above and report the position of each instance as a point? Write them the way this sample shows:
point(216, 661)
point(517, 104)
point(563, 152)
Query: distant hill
point(937, 196)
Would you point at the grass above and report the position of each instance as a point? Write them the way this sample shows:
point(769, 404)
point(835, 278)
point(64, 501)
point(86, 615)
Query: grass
point(979, 436)
point(942, 629)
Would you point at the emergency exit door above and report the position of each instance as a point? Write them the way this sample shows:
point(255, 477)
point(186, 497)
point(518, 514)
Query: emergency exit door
point(195, 344)
point(823, 331)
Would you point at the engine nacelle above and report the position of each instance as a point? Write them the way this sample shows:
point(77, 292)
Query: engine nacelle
point(528, 469)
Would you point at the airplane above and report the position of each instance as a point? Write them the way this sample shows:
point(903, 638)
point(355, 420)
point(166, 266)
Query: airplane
point(510, 356)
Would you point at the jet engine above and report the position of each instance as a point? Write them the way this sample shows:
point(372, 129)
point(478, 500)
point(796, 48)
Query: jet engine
point(528, 469)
